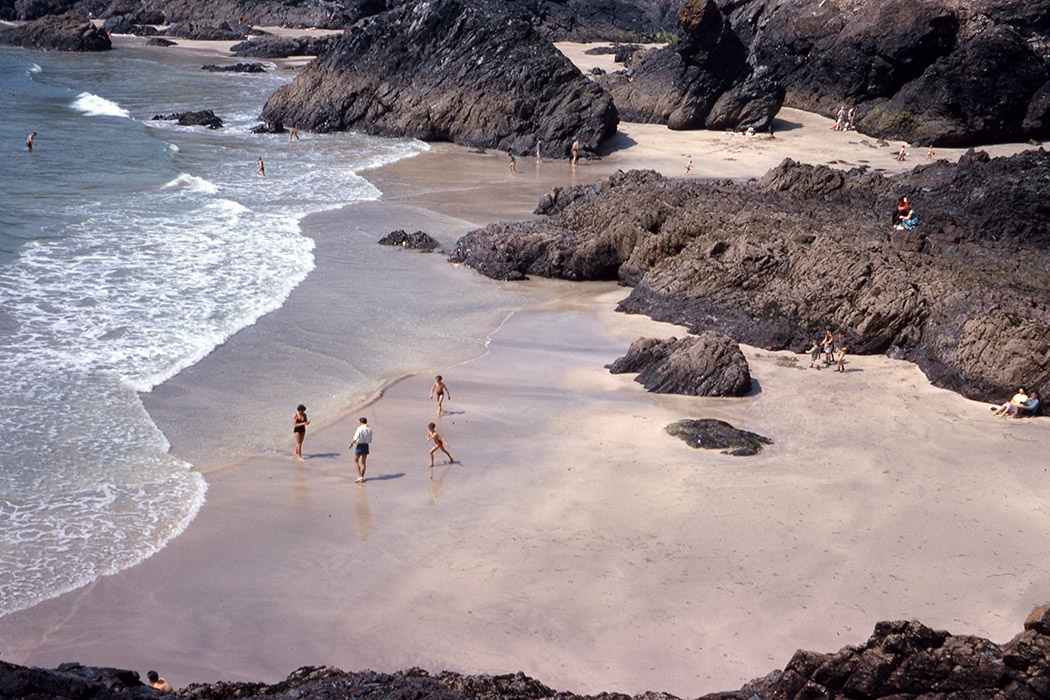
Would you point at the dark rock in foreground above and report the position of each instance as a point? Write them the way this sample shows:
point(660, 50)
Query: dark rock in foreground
point(702, 81)
point(205, 117)
point(711, 434)
point(159, 41)
point(282, 47)
point(445, 71)
point(415, 241)
point(66, 32)
point(235, 68)
point(710, 364)
point(773, 263)
point(900, 661)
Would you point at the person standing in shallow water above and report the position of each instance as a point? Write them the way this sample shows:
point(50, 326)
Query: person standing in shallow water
point(29, 142)
point(261, 170)
point(362, 439)
point(575, 151)
point(299, 423)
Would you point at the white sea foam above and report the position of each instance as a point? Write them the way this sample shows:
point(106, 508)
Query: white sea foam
point(95, 106)
point(191, 182)
point(34, 68)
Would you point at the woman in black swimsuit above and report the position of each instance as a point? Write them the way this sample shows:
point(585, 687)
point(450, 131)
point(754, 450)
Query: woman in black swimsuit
point(300, 422)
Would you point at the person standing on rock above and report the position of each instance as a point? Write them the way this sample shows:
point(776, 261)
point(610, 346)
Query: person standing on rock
point(575, 151)
point(362, 439)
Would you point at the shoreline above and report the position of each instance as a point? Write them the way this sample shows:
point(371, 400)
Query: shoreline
point(598, 576)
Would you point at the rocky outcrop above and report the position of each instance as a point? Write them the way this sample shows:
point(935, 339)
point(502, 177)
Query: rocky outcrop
point(413, 241)
point(712, 434)
point(951, 72)
point(235, 68)
point(710, 364)
point(773, 263)
point(444, 71)
point(67, 32)
point(702, 81)
point(283, 46)
point(204, 117)
point(902, 660)
point(202, 31)
point(159, 41)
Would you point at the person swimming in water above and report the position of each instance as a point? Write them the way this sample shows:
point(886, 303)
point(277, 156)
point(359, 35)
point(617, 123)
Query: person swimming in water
point(439, 444)
point(299, 423)
point(441, 390)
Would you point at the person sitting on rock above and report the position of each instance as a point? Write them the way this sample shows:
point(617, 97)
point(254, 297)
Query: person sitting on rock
point(1018, 399)
point(901, 210)
point(157, 682)
point(909, 221)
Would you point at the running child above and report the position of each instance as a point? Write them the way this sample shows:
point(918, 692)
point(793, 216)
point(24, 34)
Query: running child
point(439, 444)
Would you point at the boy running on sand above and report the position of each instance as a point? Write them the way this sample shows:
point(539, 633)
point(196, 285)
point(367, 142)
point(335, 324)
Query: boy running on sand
point(442, 390)
point(439, 444)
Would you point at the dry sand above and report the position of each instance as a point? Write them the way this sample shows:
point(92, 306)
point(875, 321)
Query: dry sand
point(574, 539)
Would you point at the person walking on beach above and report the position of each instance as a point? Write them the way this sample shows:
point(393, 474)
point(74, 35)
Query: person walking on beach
point(829, 347)
point(840, 120)
point(513, 166)
point(840, 354)
point(29, 142)
point(575, 151)
point(159, 683)
point(299, 423)
point(814, 356)
point(439, 444)
point(293, 133)
point(539, 156)
point(261, 170)
point(903, 154)
point(930, 153)
point(689, 165)
point(441, 390)
point(362, 438)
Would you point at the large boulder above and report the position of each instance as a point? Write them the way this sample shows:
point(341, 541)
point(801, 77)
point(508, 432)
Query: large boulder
point(66, 32)
point(710, 364)
point(283, 46)
point(774, 262)
point(703, 80)
point(713, 434)
point(204, 117)
point(949, 72)
point(443, 71)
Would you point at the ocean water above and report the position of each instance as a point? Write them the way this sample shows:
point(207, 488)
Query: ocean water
point(130, 249)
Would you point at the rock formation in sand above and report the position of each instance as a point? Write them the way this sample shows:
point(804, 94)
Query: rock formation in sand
point(444, 71)
point(900, 661)
point(773, 263)
point(710, 364)
point(952, 72)
point(701, 81)
point(713, 434)
point(66, 32)
point(283, 46)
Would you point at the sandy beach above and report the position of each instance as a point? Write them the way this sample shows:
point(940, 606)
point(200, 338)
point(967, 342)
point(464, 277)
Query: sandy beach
point(573, 539)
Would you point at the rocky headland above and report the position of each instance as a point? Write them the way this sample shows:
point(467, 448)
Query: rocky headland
point(445, 71)
point(701, 81)
point(774, 262)
point(70, 31)
point(902, 660)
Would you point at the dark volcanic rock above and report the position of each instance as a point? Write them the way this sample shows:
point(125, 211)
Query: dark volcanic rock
point(282, 47)
point(200, 31)
point(703, 80)
point(269, 128)
point(949, 72)
point(67, 32)
point(119, 24)
point(205, 117)
point(235, 68)
point(775, 262)
point(159, 41)
point(710, 364)
point(711, 434)
point(415, 241)
point(443, 71)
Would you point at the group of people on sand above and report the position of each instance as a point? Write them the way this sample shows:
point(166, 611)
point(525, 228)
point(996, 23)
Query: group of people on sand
point(904, 217)
point(833, 352)
point(363, 435)
point(1023, 403)
point(844, 120)
point(512, 165)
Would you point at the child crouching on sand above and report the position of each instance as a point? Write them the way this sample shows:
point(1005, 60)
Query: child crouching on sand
point(439, 444)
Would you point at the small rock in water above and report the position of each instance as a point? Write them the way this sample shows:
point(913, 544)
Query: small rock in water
point(712, 434)
point(235, 68)
point(415, 241)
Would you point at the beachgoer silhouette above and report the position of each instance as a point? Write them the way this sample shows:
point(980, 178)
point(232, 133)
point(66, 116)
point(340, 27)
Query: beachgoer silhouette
point(539, 156)
point(513, 166)
point(814, 356)
point(689, 165)
point(299, 423)
point(293, 133)
point(261, 170)
point(575, 151)
point(362, 439)
point(840, 120)
point(930, 153)
point(840, 354)
point(829, 347)
point(439, 444)
point(29, 142)
point(157, 682)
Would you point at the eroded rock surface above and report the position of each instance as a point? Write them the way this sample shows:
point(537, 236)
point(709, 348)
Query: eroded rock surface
point(710, 364)
point(713, 434)
point(71, 31)
point(444, 71)
point(415, 241)
point(204, 117)
point(773, 263)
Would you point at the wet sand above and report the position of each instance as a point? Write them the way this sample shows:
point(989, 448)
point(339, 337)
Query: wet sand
point(574, 539)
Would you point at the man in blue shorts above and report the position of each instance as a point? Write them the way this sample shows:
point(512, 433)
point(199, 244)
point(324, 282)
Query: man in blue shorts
point(362, 438)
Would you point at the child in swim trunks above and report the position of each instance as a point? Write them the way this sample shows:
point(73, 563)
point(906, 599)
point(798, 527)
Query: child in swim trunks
point(439, 444)
point(442, 391)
